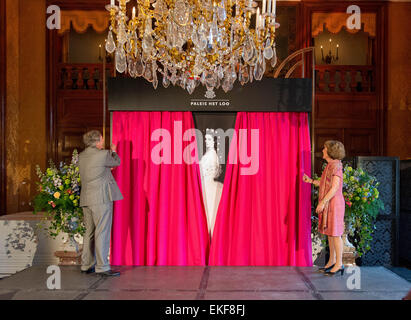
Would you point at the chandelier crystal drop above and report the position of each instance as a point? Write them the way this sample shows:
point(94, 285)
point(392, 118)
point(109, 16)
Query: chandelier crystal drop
point(193, 42)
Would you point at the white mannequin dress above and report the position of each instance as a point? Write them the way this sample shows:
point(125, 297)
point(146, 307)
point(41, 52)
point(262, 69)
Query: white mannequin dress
point(212, 190)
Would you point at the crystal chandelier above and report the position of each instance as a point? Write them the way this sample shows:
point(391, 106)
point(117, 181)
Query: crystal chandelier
point(193, 42)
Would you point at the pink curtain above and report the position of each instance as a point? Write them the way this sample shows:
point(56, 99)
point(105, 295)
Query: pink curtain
point(264, 219)
point(161, 220)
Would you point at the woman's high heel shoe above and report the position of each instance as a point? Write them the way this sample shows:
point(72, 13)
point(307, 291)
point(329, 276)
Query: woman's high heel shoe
point(324, 269)
point(329, 273)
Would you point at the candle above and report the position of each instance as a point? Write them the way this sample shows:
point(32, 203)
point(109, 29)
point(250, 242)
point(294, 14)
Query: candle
point(264, 5)
point(134, 12)
point(257, 18)
point(112, 2)
point(269, 6)
point(231, 37)
point(274, 7)
point(99, 52)
point(322, 53)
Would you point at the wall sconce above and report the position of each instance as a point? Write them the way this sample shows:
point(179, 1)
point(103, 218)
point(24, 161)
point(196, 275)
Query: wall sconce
point(329, 58)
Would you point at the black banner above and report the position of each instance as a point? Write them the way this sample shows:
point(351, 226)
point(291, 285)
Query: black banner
point(269, 95)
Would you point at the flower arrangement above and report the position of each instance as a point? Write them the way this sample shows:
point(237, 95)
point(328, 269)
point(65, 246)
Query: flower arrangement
point(59, 196)
point(362, 205)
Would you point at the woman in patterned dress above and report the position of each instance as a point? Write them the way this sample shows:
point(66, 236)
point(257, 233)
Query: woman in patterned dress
point(331, 204)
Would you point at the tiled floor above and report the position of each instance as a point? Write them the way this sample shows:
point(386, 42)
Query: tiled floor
point(206, 283)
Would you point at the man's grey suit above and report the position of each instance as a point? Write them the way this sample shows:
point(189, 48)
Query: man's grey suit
point(98, 191)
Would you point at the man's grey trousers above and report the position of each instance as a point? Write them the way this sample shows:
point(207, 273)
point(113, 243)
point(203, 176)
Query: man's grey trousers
point(96, 240)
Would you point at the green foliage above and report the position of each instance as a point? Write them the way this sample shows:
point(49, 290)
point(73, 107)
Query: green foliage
point(59, 197)
point(362, 205)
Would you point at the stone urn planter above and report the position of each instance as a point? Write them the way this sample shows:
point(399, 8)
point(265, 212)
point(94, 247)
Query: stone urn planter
point(318, 250)
point(349, 252)
point(70, 251)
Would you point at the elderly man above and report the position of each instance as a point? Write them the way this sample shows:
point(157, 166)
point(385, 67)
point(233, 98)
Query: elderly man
point(98, 191)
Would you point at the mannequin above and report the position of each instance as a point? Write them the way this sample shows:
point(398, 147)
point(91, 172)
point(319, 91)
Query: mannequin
point(212, 190)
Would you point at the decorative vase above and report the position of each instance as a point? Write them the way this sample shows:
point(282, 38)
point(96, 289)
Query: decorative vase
point(349, 252)
point(318, 250)
point(70, 251)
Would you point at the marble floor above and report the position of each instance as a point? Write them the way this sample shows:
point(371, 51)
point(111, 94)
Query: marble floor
point(207, 283)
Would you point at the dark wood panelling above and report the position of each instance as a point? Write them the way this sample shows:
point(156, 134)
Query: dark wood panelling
point(355, 118)
point(321, 136)
point(360, 141)
point(357, 141)
point(346, 111)
point(70, 113)
point(2, 107)
point(68, 140)
point(79, 109)
point(72, 138)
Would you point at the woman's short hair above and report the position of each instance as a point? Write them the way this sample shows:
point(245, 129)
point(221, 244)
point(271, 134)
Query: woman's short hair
point(91, 138)
point(335, 149)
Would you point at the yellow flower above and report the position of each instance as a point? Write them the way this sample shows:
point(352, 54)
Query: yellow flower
point(57, 195)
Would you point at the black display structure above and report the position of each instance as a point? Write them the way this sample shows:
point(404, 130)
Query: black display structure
point(219, 112)
point(268, 95)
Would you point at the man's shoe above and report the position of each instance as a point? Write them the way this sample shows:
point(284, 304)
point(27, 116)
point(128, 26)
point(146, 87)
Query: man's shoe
point(109, 273)
point(88, 271)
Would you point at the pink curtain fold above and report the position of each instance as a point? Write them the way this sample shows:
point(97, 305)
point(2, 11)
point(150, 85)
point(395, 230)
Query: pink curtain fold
point(264, 219)
point(161, 220)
